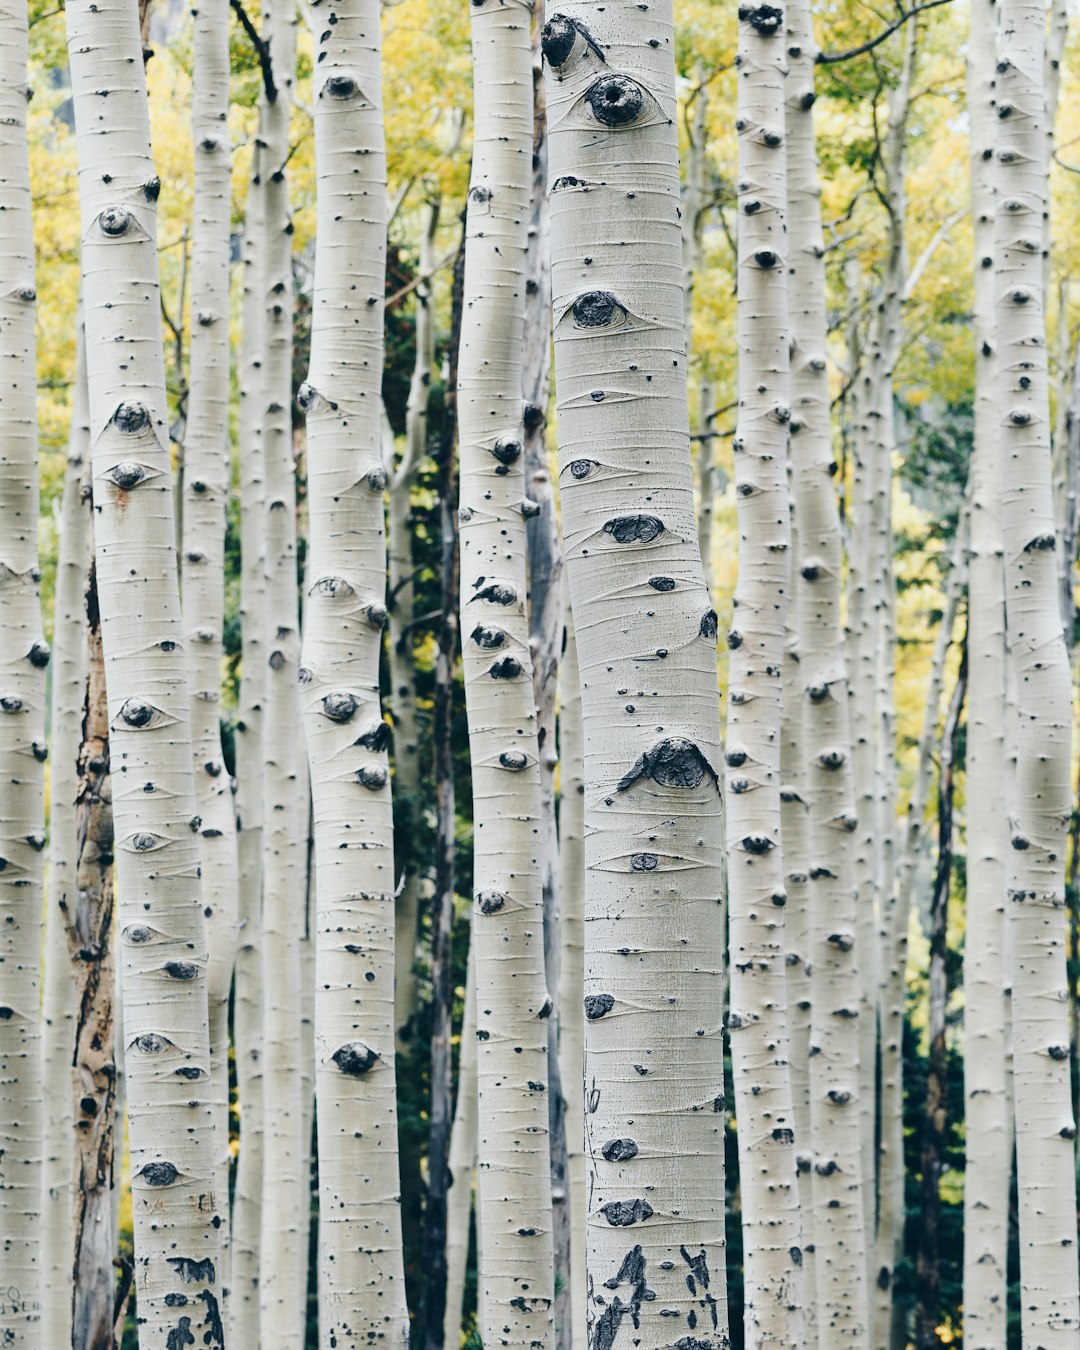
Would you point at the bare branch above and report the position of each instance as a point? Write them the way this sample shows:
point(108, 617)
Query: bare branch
point(833, 58)
point(262, 49)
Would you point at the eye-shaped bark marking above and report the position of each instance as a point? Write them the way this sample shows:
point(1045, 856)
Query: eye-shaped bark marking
point(132, 418)
point(376, 479)
point(191, 1072)
point(617, 100)
point(623, 1213)
point(644, 862)
point(152, 1044)
point(39, 655)
point(634, 529)
point(180, 970)
point(373, 777)
point(507, 450)
point(497, 593)
point(514, 760)
point(378, 738)
point(559, 36)
point(355, 1059)
point(340, 87)
point(10, 704)
point(158, 1174)
point(597, 309)
point(340, 707)
point(598, 1005)
point(832, 759)
point(758, 844)
point(333, 588)
point(487, 637)
point(126, 475)
point(662, 583)
point(708, 627)
point(506, 668)
point(36, 840)
point(490, 902)
point(39, 751)
point(143, 841)
point(138, 715)
point(673, 762)
point(620, 1150)
point(114, 221)
point(529, 509)
point(581, 468)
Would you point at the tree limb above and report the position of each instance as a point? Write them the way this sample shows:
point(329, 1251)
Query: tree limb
point(833, 58)
point(262, 48)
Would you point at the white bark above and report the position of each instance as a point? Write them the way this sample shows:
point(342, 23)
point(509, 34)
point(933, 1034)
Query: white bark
point(206, 482)
point(58, 1036)
point(247, 1009)
point(987, 1133)
point(1040, 811)
point(508, 934)
point(461, 1163)
point(163, 948)
point(24, 654)
point(757, 1021)
point(646, 638)
point(362, 1290)
point(826, 972)
point(572, 962)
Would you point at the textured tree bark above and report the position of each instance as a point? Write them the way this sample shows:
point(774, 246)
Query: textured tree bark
point(646, 642)
point(247, 1005)
point(757, 1021)
point(825, 972)
point(58, 1005)
point(401, 609)
point(572, 962)
point(24, 655)
point(1045, 1127)
point(508, 930)
point(362, 1290)
point(207, 479)
point(935, 1112)
point(163, 947)
point(285, 1218)
point(462, 1155)
point(91, 936)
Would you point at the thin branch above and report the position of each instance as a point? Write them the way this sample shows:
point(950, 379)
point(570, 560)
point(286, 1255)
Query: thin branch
point(40, 18)
point(262, 49)
point(834, 58)
point(928, 252)
point(419, 280)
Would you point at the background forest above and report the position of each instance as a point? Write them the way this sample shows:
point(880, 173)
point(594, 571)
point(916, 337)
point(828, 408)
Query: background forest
point(892, 136)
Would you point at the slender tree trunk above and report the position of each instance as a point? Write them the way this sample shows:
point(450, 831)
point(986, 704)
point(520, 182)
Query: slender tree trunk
point(362, 1289)
point(512, 999)
point(163, 947)
point(650, 703)
point(207, 479)
point(757, 1022)
point(572, 962)
point(97, 1035)
point(1067, 500)
point(285, 1218)
point(935, 1115)
point(59, 1008)
point(462, 1154)
point(1044, 1124)
point(826, 975)
point(25, 654)
point(402, 609)
point(247, 1003)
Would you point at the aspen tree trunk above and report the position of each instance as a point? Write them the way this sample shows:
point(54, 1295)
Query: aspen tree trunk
point(247, 1007)
point(362, 1290)
point(207, 479)
point(59, 1009)
point(508, 934)
point(572, 961)
point(98, 1036)
point(285, 1216)
point(163, 949)
point(401, 612)
point(1067, 495)
point(1045, 1127)
point(462, 1154)
point(757, 1021)
point(826, 974)
point(646, 642)
point(24, 654)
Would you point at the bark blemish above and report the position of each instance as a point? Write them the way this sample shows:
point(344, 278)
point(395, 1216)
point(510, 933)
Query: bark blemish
point(634, 529)
point(340, 707)
point(624, 1213)
point(598, 1005)
point(159, 1174)
point(616, 100)
point(355, 1059)
point(620, 1150)
point(673, 762)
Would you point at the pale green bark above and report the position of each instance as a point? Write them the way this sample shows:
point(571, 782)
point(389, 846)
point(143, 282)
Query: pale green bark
point(646, 636)
point(24, 655)
point(362, 1290)
point(757, 1021)
point(163, 948)
point(1040, 810)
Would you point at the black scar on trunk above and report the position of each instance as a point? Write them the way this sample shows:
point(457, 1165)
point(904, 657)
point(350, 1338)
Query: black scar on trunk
point(159, 1174)
point(598, 1005)
point(699, 1270)
point(624, 1213)
point(673, 762)
point(355, 1059)
point(634, 529)
point(180, 1336)
point(192, 1271)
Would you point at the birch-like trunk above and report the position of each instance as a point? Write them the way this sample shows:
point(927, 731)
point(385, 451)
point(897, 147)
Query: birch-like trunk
point(647, 646)
point(362, 1290)
point(247, 1003)
point(508, 931)
point(401, 613)
point(757, 1021)
point(207, 479)
point(462, 1155)
point(163, 947)
point(826, 975)
point(58, 1197)
point(24, 655)
point(98, 1035)
point(1040, 811)
point(285, 1217)
point(572, 961)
